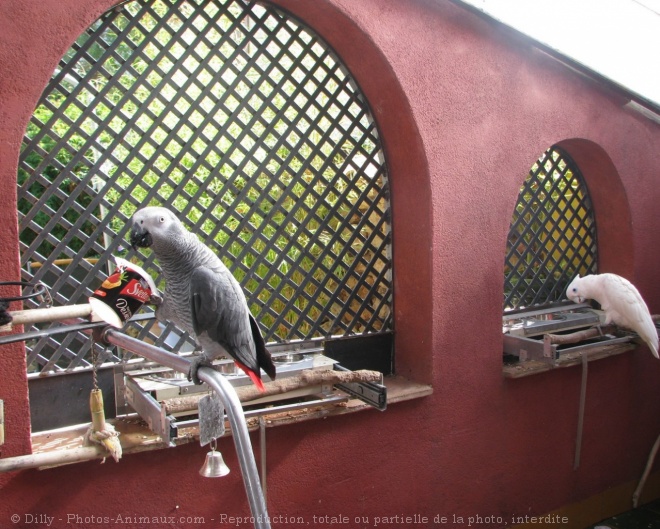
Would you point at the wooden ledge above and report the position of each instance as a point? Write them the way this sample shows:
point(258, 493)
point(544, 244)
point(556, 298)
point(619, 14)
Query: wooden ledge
point(535, 367)
point(135, 435)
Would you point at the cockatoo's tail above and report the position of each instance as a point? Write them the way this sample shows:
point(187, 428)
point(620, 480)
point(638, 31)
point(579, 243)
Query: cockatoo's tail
point(122, 294)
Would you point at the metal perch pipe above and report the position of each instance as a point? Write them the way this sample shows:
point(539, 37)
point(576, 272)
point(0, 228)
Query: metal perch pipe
point(233, 408)
point(242, 441)
point(151, 352)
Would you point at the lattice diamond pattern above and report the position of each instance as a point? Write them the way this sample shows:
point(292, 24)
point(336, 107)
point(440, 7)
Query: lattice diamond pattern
point(237, 116)
point(552, 236)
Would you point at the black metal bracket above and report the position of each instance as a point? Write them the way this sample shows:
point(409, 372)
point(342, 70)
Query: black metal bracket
point(37, 290)
point(369, 392)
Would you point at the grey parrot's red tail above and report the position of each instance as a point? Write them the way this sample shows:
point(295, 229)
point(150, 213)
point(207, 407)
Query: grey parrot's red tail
point(255, 377)
point(264, 361)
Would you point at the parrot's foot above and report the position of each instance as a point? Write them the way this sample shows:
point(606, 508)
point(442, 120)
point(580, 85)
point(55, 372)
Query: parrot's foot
point(155, 299)
point(195, 363)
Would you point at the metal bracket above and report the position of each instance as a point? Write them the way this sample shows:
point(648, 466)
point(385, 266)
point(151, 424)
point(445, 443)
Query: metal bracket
point(121, 404)
point(152, 412)
point(369, 392)
point(530, 349)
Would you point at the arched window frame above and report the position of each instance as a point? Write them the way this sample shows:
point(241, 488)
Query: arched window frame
point(553, 234)
point(606, 204)
point(369, 163)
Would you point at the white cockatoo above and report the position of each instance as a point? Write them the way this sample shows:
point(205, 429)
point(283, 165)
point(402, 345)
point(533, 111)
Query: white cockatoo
point(621, 301)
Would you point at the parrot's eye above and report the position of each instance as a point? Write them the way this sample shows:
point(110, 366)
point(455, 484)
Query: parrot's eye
point(574, 289)
point(161, 220)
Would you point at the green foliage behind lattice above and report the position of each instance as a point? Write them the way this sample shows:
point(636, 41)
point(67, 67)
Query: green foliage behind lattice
point(244, 121)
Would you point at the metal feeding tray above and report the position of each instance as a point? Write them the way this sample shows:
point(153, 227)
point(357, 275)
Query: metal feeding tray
point(157, 393)
point(526, 332)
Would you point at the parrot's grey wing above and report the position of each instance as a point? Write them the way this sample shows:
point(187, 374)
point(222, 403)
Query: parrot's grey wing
point(221, 312)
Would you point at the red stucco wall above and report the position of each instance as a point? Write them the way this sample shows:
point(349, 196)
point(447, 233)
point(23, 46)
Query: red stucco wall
point(464, 109)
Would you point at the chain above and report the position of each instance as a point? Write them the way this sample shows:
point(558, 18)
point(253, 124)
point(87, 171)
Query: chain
point(95, 381)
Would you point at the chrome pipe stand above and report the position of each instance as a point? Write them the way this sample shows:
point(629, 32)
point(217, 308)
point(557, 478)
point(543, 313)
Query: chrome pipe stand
point(232, 405)
point(241, 437)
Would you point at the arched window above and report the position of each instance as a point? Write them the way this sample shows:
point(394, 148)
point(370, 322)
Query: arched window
point(242, 119)
point(552, 236)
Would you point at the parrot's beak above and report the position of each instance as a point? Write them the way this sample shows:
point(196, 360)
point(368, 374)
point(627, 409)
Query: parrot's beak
point(140, 238)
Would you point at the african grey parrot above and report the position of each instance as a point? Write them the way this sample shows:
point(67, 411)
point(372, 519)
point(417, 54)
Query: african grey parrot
point(621, 301)
point(201, 296)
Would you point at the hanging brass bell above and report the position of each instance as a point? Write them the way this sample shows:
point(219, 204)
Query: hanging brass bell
point(214, 466)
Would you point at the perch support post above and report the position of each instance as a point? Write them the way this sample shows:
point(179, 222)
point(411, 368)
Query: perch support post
point(232, 405)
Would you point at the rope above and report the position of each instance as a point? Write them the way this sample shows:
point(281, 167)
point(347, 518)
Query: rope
point(100, 436)
point(108, 438)
point(100, 432)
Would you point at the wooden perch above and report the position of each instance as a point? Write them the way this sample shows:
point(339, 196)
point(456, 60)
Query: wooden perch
point(66, 312)
point(575, 337)
point(63, 262)
point(53, 458)
point(306, 378)
point(587, 334)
